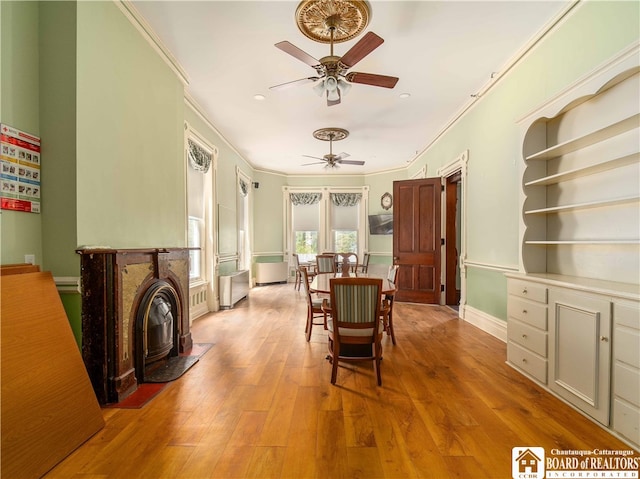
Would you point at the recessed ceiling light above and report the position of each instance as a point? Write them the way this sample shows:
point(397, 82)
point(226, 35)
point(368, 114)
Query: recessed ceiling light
point(258, 97)
point(405, 95)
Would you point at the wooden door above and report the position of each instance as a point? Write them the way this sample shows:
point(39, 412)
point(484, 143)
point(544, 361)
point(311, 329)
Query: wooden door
point(416, 239)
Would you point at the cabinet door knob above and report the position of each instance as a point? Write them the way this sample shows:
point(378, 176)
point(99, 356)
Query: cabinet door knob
point(524, 311)
point(524, 290)
point(524, 336)
point(524, 360)
point(604, 339)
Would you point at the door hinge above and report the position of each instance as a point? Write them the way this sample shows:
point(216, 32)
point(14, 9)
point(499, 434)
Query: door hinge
point(442, 288)
point(442, 241)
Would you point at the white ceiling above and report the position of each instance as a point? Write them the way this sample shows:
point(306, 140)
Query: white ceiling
point(443, 52)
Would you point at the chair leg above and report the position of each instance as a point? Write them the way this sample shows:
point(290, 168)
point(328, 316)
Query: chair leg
point(390, 328)
point(298, 281)
point(309, 326)
point(378, 357)
point(334, 362)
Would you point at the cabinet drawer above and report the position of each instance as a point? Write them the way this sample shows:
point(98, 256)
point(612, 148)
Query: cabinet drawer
point(627, 383)
point(527, 361)
point(528, 337)
point(534, 314)
point(627, 314)
point(626, 420)
point(626, 346)
point(532, 291)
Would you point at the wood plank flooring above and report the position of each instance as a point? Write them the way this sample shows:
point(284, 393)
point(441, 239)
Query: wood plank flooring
point(259, 404)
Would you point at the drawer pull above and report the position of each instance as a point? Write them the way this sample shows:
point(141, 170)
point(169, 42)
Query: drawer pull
point(604, 339)
point(524, 360)
point(524, 336)
point(524, 311)
point(524, 290)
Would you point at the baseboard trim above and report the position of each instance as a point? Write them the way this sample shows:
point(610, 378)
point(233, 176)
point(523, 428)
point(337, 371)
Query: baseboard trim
point(489, 324)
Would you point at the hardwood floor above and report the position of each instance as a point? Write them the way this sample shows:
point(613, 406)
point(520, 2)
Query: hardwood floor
point(259, 404)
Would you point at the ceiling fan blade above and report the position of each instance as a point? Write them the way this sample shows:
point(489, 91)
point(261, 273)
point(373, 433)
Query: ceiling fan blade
point(342, 155)
point(288, 84)
point(314, 157)
point(372, 79)
point(366, 45)
point(315, 163)
point(351, 162)
point(294, 51)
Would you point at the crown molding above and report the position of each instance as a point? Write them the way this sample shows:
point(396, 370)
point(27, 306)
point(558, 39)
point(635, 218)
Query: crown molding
point(136, 19)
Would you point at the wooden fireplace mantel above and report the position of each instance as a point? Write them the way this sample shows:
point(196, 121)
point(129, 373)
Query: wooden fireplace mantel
point(113, 283)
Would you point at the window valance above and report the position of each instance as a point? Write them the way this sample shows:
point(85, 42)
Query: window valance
point(244, 187)
point(298, 199)
point(345, 199)
point(199, 158)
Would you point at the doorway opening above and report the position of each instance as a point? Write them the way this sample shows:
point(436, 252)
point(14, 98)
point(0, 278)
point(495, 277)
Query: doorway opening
point(454, 177)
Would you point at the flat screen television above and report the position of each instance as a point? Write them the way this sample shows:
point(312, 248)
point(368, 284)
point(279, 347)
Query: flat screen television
point(381, 224)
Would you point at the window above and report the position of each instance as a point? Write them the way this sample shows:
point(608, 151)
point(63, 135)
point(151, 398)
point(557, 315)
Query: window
point(306, 228)
point(242, 218)
point(195, 235)
point(325, 219)
point(345, 214)
point(199, 161)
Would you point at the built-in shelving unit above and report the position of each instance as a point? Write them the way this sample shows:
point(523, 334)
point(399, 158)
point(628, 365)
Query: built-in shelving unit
point(574, 306)
point(587, 139)
point(581, 187)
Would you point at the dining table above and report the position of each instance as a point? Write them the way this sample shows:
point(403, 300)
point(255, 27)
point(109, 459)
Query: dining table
point(320, 283)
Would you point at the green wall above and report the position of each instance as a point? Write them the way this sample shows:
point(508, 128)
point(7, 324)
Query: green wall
point(58, 125)
point(131, 184)
point(20, 233)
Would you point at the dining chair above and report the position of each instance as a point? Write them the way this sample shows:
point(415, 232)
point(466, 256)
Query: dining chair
point(326, 263)
point(296, 265)
point(354, 322)
point(364, 267)
point(314, 306)
point(347, 262)
point(387, 304)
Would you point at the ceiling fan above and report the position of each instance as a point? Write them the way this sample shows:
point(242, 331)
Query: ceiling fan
point(330, 160)
point(332, 71)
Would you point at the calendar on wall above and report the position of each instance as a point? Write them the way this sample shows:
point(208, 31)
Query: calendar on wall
point(20, 174)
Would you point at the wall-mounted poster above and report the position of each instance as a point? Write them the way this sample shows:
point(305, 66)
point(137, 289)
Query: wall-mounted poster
point(20, 174)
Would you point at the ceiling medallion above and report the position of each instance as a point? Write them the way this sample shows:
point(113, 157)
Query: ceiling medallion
point(347, 18)
point(330, 134)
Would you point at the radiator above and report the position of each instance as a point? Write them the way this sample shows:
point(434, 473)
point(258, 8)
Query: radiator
point(233, 287)
point(271, 273)
point(198, 304)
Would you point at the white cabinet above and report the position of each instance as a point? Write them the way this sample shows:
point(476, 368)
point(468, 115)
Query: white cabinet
point(527, 328)
point(580, 339)
point(580, 356)
point(626, 370)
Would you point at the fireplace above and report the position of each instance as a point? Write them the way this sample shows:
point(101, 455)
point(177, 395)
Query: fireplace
point(135, 315)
